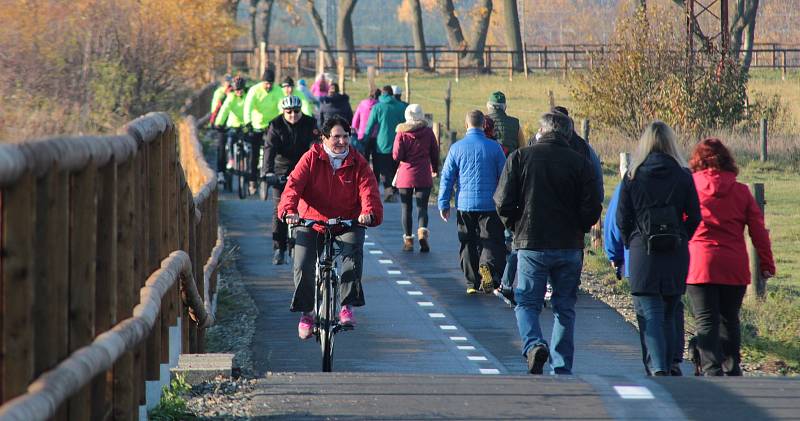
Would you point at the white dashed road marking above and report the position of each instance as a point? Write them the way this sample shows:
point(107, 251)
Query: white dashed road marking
point(375, 252)
point(403, 282)
point(394, 272)
point(458, 338)
point(466, 347)
point(385, 261)
point(425, 303)
point(414, 292)
point(436, 315)
point(448, 327)
point(490, 371)
point(476, 358)
point(633, 392)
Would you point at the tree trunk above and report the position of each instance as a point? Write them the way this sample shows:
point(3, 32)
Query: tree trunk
point(744, 19)
point(344, 31)
point(231, 7)
point(455, 37)
point(419, 36)
point(266, 20)
point(253, 30)
point(748, 43)
point(481, 27)
point(513, 35)
point(316, 22)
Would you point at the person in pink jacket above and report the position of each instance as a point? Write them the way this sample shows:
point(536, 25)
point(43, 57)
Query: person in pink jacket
point(321, 85)
point(360, 120)
point(718, 264)
point(416, 149)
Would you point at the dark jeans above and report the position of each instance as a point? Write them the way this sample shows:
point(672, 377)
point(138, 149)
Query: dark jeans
point(280, 230)
point(719, 337)
point(307, 244)
point(222, 157)
point(482, 243)
point(384, 165)
point(369, 146)
point(257, 140)
point(563, 269)
point(677, 357)
point(658, 312)
point(407, 197)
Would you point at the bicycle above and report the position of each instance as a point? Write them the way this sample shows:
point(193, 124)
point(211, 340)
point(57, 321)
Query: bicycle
point(242, 149)
point(326, 293)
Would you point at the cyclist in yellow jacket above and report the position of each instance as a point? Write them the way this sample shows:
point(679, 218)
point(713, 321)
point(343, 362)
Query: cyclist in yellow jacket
point(287, 86)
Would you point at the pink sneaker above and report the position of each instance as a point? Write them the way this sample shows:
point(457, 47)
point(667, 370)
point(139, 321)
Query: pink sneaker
point(306, 326)
point(346, 316)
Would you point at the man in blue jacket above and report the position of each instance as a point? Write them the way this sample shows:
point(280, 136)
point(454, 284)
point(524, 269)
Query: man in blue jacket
point(474, 165)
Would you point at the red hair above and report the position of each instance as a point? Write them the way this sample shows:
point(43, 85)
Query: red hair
point(711, 153)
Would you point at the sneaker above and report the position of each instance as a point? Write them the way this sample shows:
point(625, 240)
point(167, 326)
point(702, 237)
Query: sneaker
point(408, 243)
point(675, 370)
point(487, 282)
point(252, 188)
point(279, 257)
point(471, 291)
point(507, 294)
point(305, 328)
point(422, 234)
point(536, 359)
point(548, 294)
point(346, 316)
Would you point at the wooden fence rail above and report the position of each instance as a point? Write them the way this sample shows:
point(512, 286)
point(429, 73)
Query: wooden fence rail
point(91, 315)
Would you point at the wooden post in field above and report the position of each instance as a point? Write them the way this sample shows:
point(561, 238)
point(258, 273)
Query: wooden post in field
point(297, 57)
point(565, 64)
point(758, 285)
point(585, 129)
point(405, 61)
point(544, 65)
point(248, 59)
point(525, 59)
point(353, 68)
point(763, 139)
point(510, 67)
point(433, 60)
point(407, 80)
point(229, 67)
point(278, 66)
point(783, 65)
point(320, 62)
point(624, 163)
point(340, 69)
point(488, 61)
point(458, 65)
point(263, 58)
point(551, 98)
point(371, 78)
point(256, 62)
point(437, 130)
point(447, 100)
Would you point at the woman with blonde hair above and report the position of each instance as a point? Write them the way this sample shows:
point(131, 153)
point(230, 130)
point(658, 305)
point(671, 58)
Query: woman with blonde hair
point(657, 214)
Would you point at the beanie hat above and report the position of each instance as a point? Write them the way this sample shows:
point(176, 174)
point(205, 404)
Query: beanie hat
point(396, 90)
point(497, 98)
point(414, 113)
point(269, 76)
point(287, 81)
point(560, 109)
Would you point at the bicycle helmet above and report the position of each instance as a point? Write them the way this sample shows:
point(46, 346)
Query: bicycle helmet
point(238, 83)
point(290, 101)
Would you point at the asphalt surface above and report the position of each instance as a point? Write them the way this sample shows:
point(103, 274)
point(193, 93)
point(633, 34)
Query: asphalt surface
point(423, 349)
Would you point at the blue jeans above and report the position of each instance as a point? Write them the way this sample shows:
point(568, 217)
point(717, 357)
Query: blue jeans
point(657, 316)
point(563, 269)
point(511, 270)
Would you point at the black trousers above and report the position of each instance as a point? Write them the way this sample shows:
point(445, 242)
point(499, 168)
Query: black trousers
point(384, 165)
point(222, 157)
point(407, 197)
point(719, 335)
point(308, 243)
point(482, 243)
point(280, 231)
point(257, 141)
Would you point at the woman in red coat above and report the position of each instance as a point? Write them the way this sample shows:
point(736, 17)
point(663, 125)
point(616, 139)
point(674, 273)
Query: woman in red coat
point(718, 268)
point(330, 181)
point(417, 151)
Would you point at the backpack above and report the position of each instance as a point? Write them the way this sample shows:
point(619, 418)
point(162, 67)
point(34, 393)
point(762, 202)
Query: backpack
point(659, 225)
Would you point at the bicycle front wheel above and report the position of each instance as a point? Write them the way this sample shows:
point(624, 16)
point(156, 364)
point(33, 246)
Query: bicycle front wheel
point(241, 168)
point(327, 323)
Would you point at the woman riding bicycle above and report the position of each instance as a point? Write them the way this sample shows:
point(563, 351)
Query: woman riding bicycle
point(330, 181)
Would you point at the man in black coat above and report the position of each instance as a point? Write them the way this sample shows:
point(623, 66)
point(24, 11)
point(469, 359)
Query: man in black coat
point(548, 196)
point(334, 104)
point(288, 137)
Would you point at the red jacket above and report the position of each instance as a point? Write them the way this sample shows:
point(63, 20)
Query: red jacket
point(314, 192)
point(416, 150)
point(717, 251)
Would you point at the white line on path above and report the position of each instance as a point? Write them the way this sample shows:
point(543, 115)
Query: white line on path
point(385, 261)
point(466, 347)
point(458, 338)
point(403, 282)
point(369, 243)
point(633, 392)
point(375, 252)
point(414, 292)
point(490, 371)
point(448, 327)
point(476, 358)
point(436, 315)
point(425, 304)
point(394, 272)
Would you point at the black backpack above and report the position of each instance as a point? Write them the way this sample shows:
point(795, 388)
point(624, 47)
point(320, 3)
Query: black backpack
point(659, 225)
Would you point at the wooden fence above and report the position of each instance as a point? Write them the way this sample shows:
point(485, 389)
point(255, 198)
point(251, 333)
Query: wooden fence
point(101, 238)
point(298, 60)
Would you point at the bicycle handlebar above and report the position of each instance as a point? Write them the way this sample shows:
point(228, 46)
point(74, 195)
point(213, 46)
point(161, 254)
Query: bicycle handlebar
point(329, 223)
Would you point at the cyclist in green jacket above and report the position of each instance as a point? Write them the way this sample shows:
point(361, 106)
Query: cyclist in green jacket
point(230, 115)
point(261, 103)
point(219, 97)
point(287, 85)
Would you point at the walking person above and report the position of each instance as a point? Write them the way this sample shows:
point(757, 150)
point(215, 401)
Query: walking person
point(473, 165)
point(547, 195)
point(288, 137)
point(334, 104)
point(366, 141)
point(417, 152)
point(508, 130)
point(718, 268)
point(657, 214)
point(385, 116)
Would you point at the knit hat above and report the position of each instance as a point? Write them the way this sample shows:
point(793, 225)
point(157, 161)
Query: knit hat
point(414, 113)
point(301, 82)
point(287, 81)
point(396, 90)
point(269, 76)
point(497, 98)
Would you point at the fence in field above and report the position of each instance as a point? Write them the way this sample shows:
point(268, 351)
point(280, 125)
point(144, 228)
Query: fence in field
point(108, 269)
point(297, 60)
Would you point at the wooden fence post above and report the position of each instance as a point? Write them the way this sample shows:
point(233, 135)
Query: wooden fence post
point(371, 78)
point(585, 129)
point(565, 64)
point(551, 99)
point(433, 60)
point(407, 80)
point(297, 57)
point(624, 163)
point(783, 65)
point(758, 285)
point(82, 274)
point(447, 100)
point(544, 65)
point(405, 61)
point(510, 67)
point(458, 65)
point(278, 66)
point(763, 139)
point(525, 59)
point(154, 255)
point(263, 58)
point(340, 69)
point(320, 62)
point(18, 295)
point(229, 67)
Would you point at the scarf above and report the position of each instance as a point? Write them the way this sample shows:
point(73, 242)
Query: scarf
point(337, 159)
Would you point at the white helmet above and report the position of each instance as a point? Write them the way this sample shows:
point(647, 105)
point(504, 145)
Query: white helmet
point(290, 101)
point(396, 90)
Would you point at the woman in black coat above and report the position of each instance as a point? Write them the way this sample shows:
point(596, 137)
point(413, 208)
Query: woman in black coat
point(657, 214)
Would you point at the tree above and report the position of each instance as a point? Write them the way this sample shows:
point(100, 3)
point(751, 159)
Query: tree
point(265, 13)
point(344, 31)
point(473, 51)
point(512, 29)
point(410, 11)
point(253, 11)
point(316, 22)
point(231, 7)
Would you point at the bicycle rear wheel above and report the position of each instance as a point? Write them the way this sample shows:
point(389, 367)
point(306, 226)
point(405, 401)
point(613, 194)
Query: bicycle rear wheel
point(327, 323)
point(241, 168)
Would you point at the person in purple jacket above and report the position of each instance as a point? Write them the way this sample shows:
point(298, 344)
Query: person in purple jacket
point(417, 151)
